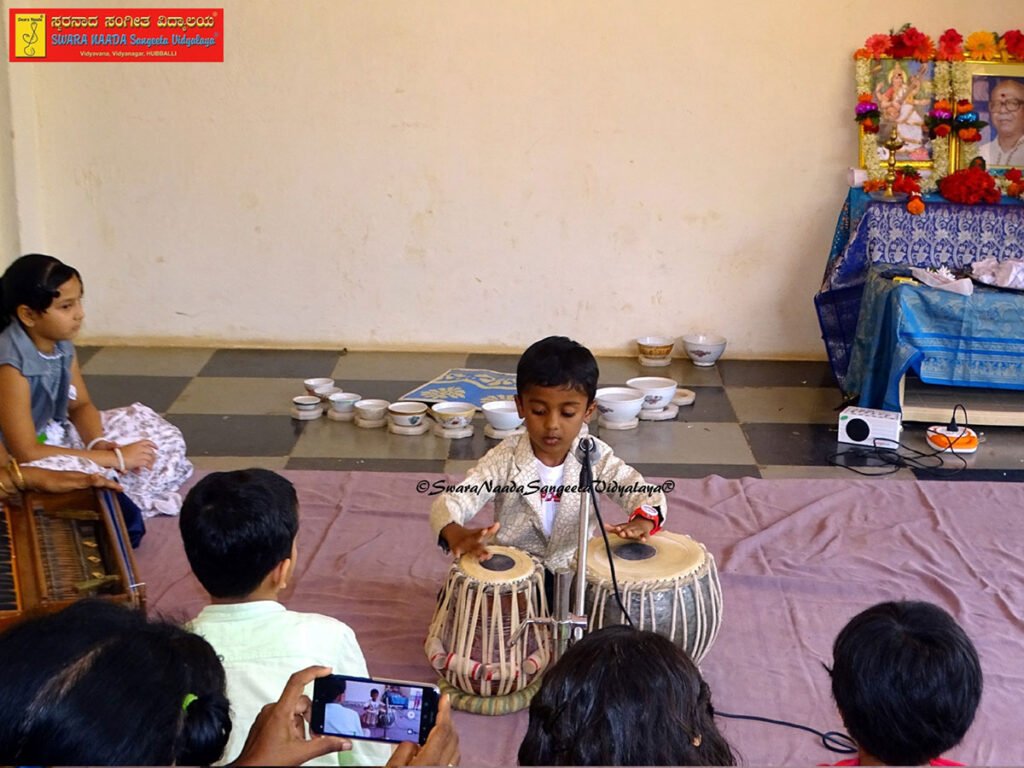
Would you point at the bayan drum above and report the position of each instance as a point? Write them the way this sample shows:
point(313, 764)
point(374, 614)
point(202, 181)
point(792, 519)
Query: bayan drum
point(478, 612)
point(669, 586)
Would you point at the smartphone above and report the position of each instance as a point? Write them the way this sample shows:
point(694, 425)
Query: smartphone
point(373, 709)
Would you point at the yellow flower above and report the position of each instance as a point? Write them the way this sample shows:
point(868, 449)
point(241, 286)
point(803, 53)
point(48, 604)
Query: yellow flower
point(982, 46)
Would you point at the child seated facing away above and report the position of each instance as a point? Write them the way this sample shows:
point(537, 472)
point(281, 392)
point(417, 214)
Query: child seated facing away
point(556, 381)
point(907, 682)
point(239, 530)
point(599, 706)
point(46, 416)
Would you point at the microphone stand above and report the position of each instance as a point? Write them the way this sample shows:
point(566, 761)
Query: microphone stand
point(568, 626)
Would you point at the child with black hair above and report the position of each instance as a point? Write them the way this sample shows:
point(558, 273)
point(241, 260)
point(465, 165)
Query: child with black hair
point(46, 415)
point(98, 684)
point(598, 706)
point(907, 682)
point(525, 475)
point(239, 530)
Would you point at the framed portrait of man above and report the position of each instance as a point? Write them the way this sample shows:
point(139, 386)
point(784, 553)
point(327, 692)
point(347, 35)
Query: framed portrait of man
point(904, 92)
point(997, 92)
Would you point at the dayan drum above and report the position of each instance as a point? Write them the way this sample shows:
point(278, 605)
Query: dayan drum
point(479, 610)
point(669, 586)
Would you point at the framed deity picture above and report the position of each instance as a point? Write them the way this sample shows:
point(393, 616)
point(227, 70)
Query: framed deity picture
point(997, 93)
point(904, 92)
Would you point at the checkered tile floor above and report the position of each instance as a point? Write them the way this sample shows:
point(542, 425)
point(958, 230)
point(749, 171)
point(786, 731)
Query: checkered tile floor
point(750, 418)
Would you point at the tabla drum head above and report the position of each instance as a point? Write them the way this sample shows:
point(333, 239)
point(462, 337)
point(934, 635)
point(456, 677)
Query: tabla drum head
point(506, 564)
point(666, 555)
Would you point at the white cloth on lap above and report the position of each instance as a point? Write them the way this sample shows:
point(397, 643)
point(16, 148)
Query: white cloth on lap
point(155, 490)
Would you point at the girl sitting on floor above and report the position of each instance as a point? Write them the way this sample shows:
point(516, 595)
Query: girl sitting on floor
point(46, 416)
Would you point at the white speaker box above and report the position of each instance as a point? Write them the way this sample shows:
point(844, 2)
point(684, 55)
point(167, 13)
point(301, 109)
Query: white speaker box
point(868, 426)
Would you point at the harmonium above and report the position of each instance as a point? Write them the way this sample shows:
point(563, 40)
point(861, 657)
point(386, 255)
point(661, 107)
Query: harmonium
point(59, 548)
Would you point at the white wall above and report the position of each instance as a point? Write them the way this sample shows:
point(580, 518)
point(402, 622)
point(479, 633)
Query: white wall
point(9, 243)
point(456, 174)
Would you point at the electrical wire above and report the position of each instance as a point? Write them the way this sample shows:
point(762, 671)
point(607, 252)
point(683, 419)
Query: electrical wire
point(890, 456)
point(587, 477)
point(834, 741)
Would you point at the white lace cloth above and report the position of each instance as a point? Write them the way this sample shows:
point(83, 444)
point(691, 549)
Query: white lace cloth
point(154, 490)
point(1008, 273)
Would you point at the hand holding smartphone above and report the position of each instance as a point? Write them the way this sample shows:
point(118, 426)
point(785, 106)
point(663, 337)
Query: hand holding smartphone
point(389, 711)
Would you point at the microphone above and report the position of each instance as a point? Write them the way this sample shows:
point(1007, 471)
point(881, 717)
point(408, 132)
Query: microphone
point(586, 453)
point(587, 450)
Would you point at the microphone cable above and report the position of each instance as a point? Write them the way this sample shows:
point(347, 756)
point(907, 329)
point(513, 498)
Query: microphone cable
point(587, 447)
point(834, 741)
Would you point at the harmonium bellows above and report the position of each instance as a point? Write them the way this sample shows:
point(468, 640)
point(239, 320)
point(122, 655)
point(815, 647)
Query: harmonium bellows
point(58, 548)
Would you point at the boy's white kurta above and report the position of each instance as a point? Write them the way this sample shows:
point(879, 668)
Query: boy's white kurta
point(508, 475)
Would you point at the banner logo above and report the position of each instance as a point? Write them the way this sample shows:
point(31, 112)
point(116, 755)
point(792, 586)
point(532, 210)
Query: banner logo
point(116, 34)
point(29, 35)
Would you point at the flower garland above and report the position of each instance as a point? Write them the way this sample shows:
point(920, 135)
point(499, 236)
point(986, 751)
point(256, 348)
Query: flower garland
point(953, 112)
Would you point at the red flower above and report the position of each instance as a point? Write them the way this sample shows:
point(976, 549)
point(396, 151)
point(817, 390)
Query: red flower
point(969, 134)
point(908, 42)
point(907, 182)
point(869, 126)
point(912, 44)
point(876, 46)
point(1013, 41)
point(942, 130)
point(1014, 175)
point(950, 46)
point(969, 186)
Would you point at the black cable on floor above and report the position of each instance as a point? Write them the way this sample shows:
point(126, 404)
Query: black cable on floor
point(834, 741)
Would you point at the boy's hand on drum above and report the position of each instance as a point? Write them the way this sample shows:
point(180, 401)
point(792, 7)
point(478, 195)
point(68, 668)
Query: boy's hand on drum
point(470, 541)
point(139, 455)
point(637, 528)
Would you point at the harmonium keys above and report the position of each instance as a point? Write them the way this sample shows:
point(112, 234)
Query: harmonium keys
point(58, 548)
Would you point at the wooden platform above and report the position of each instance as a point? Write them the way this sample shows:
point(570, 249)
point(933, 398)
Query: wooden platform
point(934, 404)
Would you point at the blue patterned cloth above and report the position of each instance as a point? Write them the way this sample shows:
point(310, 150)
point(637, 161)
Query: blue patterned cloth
point(944, 337)
point(870, 232)
point(470, 385)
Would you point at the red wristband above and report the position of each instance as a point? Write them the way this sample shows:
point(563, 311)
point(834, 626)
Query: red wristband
point(648, 512)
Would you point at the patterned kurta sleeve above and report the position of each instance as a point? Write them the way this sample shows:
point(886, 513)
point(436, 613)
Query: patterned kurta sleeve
point(468, 497)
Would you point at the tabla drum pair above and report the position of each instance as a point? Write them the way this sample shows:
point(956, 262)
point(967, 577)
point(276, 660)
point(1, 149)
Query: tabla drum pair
point(669, 586)
point(478, 612)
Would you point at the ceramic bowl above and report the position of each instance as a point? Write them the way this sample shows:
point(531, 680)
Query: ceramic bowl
point(655, 347)
point(453, 415)
point(344, 402)
point(619, 403)
point(306, 402)
point(407, 414)
point(502, 414)
point(371, 410)
point(312, 384)
point(704, 349)
point(325, 391)
point(658, 391)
